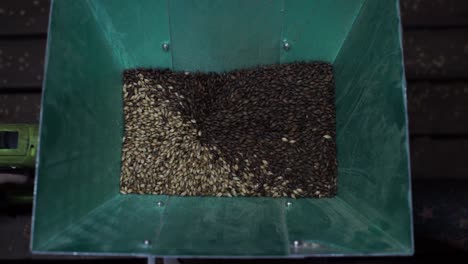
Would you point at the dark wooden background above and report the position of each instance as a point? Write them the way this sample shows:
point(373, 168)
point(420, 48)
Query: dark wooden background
point(436, 59)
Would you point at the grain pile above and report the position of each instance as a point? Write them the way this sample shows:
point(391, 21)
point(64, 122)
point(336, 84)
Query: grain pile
point(268, 131)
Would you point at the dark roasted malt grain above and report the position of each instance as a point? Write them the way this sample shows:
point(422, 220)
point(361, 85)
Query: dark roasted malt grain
point(268, 131)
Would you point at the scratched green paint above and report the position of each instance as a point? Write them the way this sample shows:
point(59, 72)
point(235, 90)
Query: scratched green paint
point(78, 207)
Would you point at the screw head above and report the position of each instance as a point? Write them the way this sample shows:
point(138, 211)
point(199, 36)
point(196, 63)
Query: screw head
point(165, 46)
point(147, 242)
point(297, 243)
point(160, 203)
point(286, 45)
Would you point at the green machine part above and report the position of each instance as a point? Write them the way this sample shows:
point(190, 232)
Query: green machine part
point(18, 145)
point(78, 207)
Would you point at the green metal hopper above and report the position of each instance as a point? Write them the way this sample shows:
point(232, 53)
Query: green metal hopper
point(78, 208)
